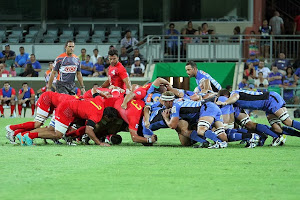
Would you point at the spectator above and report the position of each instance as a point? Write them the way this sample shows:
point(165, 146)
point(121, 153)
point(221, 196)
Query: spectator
point(99, 70)
point(189, 31)
point(290, 76)
point(87, 67)
point(35, 64)
point(136, 53)
point(253, 60)
point(275, 77)
point(204, 29)
point(263, 69)
point(8, 57)
point(276, 23)
point(95, 56)
point(172, 39)
point(288, 94)
point(282, 64)
point(26, 97)
point(138, 68)
point(12, 71)
point(236, 33)
point(22, 58)
point(82, 55)
point(253, 44)
point(29, 71)
point(124, 57)
point(128, 41)
point(243, 83)
point(297, 25)
point(250, 71)
point(3, 71)
point(261, 81)
point(7, 96)
point(265, 31)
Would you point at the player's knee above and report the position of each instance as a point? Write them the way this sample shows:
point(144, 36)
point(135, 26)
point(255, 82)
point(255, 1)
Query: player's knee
point(251, 126)
point(276, 128)
point(288, 122)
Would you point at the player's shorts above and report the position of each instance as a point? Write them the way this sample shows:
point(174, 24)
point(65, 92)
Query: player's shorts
point(212, 110)
point(226, 110)
point(65, 88)
point(63, 117)
point(275, 102)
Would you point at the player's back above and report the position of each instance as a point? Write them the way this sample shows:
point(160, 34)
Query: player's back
point(252, 99)
point(188, 109)
point(57, 98)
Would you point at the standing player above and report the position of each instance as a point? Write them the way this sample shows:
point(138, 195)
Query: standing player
point(26, 96)
point(202, 78)
point(7, 96)
point(67, 65)
point(117, 74)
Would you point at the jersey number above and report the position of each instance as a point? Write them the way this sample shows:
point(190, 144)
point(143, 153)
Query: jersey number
point(98, 107)
point(139, 107)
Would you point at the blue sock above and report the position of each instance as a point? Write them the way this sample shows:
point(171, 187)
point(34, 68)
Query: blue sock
point(242, 130)
point(265, 129)
point(296, 124)
point(196, 137)
point(211, 135)
point(290, 131)
point(234, 136)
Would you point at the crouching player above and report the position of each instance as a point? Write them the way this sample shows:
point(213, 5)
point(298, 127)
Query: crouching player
point(90, 110)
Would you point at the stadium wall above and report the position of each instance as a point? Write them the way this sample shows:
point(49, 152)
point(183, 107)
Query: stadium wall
point(222, 72)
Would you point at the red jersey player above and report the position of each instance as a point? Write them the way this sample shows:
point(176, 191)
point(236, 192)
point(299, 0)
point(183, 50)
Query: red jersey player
point(66, 113)
point(117, 74)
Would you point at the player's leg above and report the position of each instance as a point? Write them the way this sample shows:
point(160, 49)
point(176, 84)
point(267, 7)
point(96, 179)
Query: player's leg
point(20, 107)
point(1, 109)
point(12, 107)
point(283, 115)
point(32, 103)
point(220, 131)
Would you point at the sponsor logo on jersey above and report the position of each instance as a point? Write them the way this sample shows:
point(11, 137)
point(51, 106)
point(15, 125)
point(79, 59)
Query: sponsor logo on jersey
point(113, 72)
point(138, 93)
point(70, 69)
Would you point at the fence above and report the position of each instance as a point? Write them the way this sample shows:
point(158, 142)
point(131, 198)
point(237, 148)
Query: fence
point(214, 48)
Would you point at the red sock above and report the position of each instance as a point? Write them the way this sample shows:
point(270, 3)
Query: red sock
point(16, 132)
point(12, 109)
point(27, 126)
point(2, 109)
point(32, 109)
point(24, 133)
point(33, 135)
point(77, 133)
point(20, 109)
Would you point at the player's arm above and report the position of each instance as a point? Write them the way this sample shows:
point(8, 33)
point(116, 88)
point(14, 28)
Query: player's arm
point(51, 78)
point(32, 95)
point(105, 84)
point(89, 130)
point(127, 83)
point(147, 116)
point(139, 139)
point(127, 98)
point(21, 95)
point(1, 97)
point(205, 85)
point(80, 80)
point(231, 100)
point(173, 122)
point(159, 81)
point(175, 91)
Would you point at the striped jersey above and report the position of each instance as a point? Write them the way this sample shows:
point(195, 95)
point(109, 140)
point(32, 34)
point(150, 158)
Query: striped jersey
point(201, 76)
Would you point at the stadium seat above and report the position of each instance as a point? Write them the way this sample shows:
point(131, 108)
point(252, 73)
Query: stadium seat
point(115, 31)
point(112, 39)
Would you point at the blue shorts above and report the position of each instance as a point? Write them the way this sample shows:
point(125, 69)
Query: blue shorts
point(226, 110)
point(212, 110)
point(275, 102)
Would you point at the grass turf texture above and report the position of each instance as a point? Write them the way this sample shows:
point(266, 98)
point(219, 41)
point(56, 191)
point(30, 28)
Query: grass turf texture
point(132, 171)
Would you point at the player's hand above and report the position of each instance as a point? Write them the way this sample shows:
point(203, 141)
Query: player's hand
point(154, 138)
point(82, 90)
point(166, 113)
point(220, 103)
point(48, 89)
point(103, 144)
point(124, 106)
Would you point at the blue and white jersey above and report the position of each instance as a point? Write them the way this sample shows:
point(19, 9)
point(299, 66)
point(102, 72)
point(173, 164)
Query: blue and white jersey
point(186, 93)
point(266, 101)
point(186, 109)
point(201, 76)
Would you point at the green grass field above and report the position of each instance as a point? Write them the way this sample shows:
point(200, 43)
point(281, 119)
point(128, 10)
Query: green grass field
point(164, 171)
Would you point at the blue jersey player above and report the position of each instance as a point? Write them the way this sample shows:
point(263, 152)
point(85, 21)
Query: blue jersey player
point(204, 80)
point(274, 106)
